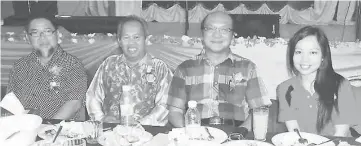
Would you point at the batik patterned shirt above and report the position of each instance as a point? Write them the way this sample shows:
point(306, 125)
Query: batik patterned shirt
point(150, 79)
point(226, 90)
point(48, 88)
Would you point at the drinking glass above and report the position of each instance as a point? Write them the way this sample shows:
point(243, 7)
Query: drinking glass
point(93, 130)
point(260, 123)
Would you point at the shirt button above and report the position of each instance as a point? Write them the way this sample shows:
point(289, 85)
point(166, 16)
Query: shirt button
point(216, 83)
point(308, 96)
point(310, 106)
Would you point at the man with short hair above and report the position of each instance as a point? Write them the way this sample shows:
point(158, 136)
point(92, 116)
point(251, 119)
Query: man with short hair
point(48, 80)
point(147, 76)
point(224, 84)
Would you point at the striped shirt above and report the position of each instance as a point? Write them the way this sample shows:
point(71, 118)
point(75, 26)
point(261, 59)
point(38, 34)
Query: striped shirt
point(150, 79)
point(227, 90)
point(47, 88)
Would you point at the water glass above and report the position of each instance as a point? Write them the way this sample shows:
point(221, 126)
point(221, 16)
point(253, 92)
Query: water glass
point(93, 130)
point(260, 123)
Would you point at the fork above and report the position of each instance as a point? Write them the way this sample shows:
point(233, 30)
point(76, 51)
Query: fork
point(300, 140)
point(210, 136)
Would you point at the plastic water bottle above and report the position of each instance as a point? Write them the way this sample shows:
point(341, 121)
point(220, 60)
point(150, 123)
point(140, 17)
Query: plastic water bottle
point(126, 107)
point(192, 119)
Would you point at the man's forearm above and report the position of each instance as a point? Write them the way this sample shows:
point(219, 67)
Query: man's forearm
point(176, 119)
point(68, 110)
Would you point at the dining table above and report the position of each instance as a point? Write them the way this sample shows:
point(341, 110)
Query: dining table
point(228, 129)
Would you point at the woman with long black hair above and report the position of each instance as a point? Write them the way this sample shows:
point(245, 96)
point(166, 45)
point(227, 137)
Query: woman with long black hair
point(316, 99)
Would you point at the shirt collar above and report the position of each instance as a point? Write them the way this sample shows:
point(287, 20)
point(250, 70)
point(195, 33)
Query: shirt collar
point(203, 56)
point(56, 54)
point(146, 60)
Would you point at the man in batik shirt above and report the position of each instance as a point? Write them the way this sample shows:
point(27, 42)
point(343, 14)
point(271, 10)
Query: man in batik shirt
point(148, 76)
point(49, 81)
point(225, 85)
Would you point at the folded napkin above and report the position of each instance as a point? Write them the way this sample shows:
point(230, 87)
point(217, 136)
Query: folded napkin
point(11, 103)
point(358, 139)
point(160, 139)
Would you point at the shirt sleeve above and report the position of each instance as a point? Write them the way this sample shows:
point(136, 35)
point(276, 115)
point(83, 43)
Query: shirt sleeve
point(159, 113)
point(347, 105)
point(256, 93)
point(285, 111)
point(95, 94)
point(12, 80)
point(177, 90)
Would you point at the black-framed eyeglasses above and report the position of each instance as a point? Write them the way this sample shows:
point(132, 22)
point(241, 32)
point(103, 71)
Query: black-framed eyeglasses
point(134, 37)
point(38, 33)
point(221, 30)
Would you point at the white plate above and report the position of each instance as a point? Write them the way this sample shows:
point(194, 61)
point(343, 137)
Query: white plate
point(197, 143)
point(48, 132)
point(246, 143)
point(109, 138)
point(291, 138)
point(219, 135)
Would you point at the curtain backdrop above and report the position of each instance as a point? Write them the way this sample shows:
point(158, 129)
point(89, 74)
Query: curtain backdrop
point(318, 12)
point(358, 21)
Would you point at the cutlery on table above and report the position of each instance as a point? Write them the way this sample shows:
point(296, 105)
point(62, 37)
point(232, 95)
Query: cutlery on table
point(12, 135)
point(300, 140)
point(210, 136)
point(313, 144)
point(57, 133)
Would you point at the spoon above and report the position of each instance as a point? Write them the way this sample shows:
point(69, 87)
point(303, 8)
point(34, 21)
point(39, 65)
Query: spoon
point(301, 140)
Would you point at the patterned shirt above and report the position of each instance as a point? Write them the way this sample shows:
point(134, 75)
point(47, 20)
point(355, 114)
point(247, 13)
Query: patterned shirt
point(150, 78)
point(47, 88)
point(227, 89)
point(296, 103)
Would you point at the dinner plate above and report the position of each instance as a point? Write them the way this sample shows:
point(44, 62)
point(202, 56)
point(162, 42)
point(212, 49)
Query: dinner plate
point(219, 135)
point(47, 132)
point(246, 143)
point(112, 138)
point(291, 139)
point(196, 143)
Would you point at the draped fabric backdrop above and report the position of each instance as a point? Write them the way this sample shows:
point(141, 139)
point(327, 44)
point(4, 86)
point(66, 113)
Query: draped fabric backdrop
point(358, 21)
point(318, 12)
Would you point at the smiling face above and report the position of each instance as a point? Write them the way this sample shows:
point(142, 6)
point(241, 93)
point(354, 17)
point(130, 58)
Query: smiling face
point(307, 57)
point(46, 43)
point(132, 41)
point(217, 33)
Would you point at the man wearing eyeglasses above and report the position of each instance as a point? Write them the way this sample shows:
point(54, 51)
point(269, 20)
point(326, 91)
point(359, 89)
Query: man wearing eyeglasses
point(225, 85)
point(147, 77)
point(49, 81)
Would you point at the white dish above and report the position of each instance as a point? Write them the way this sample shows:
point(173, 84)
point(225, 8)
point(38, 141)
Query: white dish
point(109, 138)
point(219, 135)
point(291, 139)
point(246, 143)
point(196, 143)
point(69, 131)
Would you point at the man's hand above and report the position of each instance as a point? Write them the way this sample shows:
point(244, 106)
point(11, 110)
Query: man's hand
point(110, 119)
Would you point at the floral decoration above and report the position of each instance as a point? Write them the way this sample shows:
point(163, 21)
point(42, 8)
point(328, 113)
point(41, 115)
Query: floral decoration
point(54, 84)
point(186, 41)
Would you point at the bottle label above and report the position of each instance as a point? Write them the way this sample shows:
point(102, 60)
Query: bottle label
point(126, 110)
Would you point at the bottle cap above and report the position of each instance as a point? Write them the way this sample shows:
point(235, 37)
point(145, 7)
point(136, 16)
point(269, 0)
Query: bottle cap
point(192, 104)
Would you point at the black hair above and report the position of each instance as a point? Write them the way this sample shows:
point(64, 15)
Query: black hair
point(132, 18)
point(49, 18)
